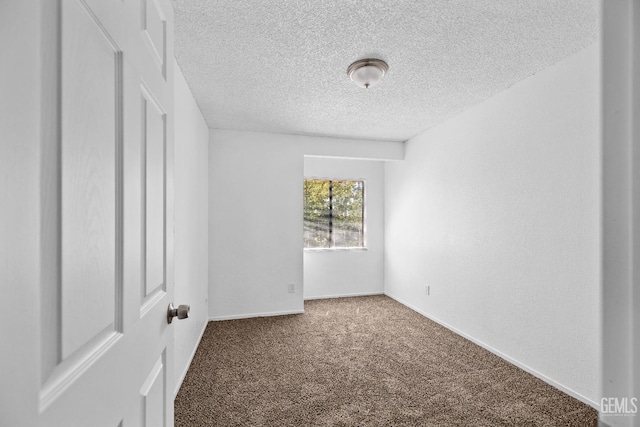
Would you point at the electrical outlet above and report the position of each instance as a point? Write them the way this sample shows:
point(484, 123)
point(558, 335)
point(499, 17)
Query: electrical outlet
point(427, 289)
point(292, 288)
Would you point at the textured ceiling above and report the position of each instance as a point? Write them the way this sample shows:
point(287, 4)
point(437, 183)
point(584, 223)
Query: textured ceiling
point(280, 65)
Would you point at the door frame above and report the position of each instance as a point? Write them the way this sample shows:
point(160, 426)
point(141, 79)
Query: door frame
point(620, 374)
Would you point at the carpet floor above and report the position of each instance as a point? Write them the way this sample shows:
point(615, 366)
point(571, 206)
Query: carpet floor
point(362, 361)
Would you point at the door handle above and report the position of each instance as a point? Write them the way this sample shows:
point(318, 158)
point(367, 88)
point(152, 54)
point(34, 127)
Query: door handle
point(182, 312)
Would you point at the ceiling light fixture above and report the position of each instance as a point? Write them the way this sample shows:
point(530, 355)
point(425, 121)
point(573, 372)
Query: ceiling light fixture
point(367, 72)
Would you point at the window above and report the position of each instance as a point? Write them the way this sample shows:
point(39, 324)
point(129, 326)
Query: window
point(333, 214)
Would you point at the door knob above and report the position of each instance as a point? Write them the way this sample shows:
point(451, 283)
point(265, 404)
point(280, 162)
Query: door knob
point(182, 312)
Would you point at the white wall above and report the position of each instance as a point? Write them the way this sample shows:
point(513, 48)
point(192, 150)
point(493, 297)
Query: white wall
point(498, 210)
point(255, 221)
point(330, 273)
point(191, 245)
point(256, 237)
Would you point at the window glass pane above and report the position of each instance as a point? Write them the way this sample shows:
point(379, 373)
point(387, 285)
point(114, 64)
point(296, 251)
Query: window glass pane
point(347, 214)
point(333, 214)
point(316, 214)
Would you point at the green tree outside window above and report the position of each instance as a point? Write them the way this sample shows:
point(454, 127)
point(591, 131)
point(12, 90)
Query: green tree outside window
point(333, 213)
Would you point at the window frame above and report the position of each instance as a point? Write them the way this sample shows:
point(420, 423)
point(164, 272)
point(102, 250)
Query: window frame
point(364, 246)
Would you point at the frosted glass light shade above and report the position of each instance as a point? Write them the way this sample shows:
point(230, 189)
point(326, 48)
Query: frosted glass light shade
point(367, 72)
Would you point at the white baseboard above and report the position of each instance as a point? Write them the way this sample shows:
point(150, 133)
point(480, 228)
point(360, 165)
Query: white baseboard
point(186, 368)
point(359, 294)
point(250, 315)
point(522, 366)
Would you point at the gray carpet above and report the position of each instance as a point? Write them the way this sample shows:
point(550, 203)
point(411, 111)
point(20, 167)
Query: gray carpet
point(364, 361)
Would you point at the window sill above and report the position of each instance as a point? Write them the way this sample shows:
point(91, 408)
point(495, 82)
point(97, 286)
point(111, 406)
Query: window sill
point(336, 249)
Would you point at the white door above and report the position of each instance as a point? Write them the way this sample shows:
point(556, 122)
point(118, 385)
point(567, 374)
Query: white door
point(104, 347)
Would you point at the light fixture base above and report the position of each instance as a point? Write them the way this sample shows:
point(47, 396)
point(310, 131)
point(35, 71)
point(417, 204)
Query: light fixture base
point(367, 72)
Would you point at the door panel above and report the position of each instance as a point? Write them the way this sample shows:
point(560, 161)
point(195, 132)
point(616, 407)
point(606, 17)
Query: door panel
point(107, 258)
point(154, 28)
point(153, 398)
point(91, 105)
point(154, 137)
